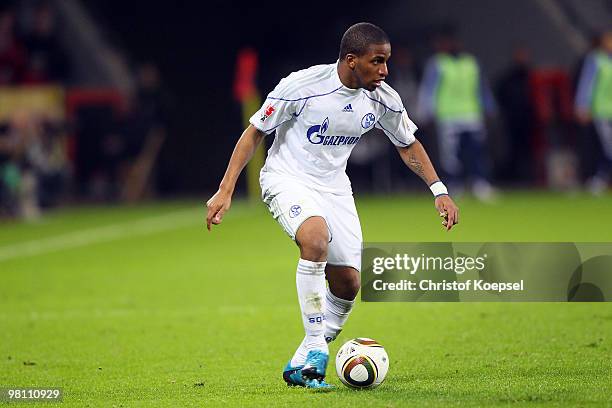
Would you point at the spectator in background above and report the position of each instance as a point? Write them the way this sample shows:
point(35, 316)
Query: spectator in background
point(129, 151)
point(148, 123)
point(49, 161)
point(19, 177)
point(404, 79)
point(455, 94)
point(594, 103)
point(589, 147)
point(9, 172)
point(33, 166)
point(47, 61)
point(517, 113)
point(12, 52)
point(149, 112)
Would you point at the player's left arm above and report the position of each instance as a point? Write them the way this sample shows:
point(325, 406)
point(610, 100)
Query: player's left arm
point(418, 161)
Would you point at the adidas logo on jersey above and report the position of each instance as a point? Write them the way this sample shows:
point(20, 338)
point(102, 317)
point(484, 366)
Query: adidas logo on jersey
point(347, 108)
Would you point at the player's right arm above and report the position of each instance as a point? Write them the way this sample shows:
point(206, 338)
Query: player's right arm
point(281, 105)
point(244, 150)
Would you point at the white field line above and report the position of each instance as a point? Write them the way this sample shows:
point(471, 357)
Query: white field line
point(145, 226)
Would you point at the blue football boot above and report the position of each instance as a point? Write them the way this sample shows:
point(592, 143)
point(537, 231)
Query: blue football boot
point(293, 375)
point(318, 384)
point(313, 372)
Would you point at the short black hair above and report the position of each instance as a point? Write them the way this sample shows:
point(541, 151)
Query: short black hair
point(359, 37)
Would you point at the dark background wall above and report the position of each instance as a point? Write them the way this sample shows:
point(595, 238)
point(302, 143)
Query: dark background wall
point(195, 46)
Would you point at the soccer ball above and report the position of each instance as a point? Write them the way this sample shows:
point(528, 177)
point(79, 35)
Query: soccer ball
point(362, 363)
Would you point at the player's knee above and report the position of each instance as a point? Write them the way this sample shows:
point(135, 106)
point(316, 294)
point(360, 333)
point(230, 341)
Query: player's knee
point(314, 248)
point(312, 238)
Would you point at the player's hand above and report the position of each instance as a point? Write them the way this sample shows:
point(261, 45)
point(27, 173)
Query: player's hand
point(217, 206)
point(448, 211)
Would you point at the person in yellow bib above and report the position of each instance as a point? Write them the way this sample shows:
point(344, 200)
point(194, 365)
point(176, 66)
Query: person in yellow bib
point(455, 95)
point(594, 103)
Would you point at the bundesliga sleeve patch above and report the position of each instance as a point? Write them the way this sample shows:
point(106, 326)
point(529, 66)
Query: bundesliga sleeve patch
point(267, 113)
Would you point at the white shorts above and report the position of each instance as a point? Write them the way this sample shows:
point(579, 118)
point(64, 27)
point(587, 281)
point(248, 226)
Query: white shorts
point(292, 203)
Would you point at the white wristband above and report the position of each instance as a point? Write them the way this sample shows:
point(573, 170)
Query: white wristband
point(438, 188)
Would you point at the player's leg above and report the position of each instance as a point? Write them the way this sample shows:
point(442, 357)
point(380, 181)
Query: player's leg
point(343, 263)
point(343, 285)
point(300, 215)
point(312, 238)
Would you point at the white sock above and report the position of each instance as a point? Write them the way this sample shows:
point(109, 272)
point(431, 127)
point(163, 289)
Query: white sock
point(336, 312)
point(310, 282)
point(299, 357)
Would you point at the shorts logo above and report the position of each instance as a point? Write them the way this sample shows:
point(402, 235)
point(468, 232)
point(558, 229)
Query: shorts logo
point(294, 211)
point(368, 120)
point(267, 113)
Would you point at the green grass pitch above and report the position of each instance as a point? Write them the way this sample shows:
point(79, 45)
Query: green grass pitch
point(141, 306)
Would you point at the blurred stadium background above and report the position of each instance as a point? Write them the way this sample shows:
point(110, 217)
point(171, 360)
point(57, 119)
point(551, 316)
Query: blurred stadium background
point(107, 103)
point(113, 102)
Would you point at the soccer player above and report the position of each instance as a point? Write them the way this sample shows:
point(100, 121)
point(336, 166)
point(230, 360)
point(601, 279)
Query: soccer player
point(319, 114)
point(594, 102)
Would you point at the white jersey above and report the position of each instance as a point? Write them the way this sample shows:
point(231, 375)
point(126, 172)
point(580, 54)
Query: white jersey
point(318, 121)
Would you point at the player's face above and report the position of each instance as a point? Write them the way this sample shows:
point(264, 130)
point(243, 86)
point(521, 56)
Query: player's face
point(371, 68)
